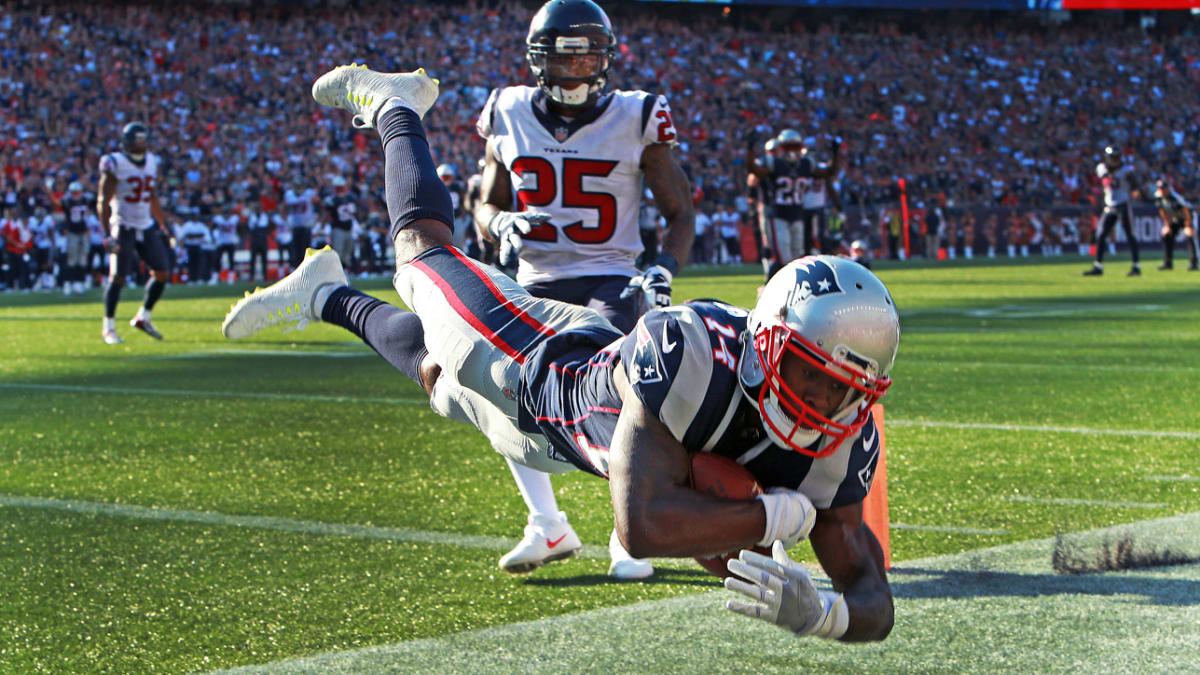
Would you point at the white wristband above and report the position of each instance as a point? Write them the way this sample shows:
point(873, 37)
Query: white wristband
point(790, 517)
point(834, 620)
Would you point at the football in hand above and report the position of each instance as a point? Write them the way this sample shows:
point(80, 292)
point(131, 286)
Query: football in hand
point(722, 477)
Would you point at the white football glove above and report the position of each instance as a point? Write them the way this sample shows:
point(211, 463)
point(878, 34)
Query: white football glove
point(506, 227)
point(655, 282)
point(789, 598)
point(790, 516)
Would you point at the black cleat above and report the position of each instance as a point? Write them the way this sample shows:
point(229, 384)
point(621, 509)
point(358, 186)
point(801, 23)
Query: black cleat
point(1094, 272)
point(1165, 267)
point(1135, 272)
point(146, 327)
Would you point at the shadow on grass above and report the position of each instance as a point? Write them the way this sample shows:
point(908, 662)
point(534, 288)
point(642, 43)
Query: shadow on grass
point(662, 575)
point(986, 583)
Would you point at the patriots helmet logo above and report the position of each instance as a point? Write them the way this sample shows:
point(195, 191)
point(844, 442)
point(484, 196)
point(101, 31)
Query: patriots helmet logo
point(814, 278)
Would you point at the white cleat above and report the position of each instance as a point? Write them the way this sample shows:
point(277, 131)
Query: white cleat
point(363, 91)
point(146, 327)
point(623, 565)
point(546, 539)
point(110, 336)
point(288, 300)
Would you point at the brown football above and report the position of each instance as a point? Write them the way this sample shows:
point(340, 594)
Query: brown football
point(722, 477)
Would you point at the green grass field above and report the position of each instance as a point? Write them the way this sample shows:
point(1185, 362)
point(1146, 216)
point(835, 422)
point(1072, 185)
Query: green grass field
point(289, 501)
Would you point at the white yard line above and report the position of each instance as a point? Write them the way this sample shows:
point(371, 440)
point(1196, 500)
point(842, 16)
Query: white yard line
point(1072, 367)
point(211, 353)
point(145, 391)
point(1043, 429)
point(273, 523)
point(1084, 502)
point(948, 530)
point(85, 389)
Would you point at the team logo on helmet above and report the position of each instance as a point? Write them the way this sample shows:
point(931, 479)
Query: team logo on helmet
point(814, 278)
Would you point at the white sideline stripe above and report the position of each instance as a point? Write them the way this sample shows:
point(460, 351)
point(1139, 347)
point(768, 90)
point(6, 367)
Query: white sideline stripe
point(1085, 502)
point(420, 401)
point(261, 352)
point(1061, 430)
point(279, 524)
point(686, 616)
point(1175, 478)
point(81, 389)
point(950, 530)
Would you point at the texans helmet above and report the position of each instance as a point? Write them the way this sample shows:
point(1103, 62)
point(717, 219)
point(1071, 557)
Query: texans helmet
point(133, 132)
point(825, 314)
point(570, 46)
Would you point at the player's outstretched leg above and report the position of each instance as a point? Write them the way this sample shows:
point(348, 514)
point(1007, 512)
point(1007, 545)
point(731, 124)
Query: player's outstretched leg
point(548, 536)
point(289, 300)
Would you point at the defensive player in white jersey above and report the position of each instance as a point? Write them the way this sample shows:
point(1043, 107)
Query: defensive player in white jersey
point(134, 222)
point(816, 204)
point(300, 204)
point(1119, 181)
point(785, 390)
point(576, 158)
point(225, 225)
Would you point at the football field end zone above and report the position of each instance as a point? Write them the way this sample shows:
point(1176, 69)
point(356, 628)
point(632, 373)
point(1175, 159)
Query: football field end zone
point(1000, 609)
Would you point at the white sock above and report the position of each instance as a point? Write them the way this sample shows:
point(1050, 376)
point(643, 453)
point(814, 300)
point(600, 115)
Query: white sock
point(143, 313)
point(110, 323)
point(535, 489)
point(615, 550)
point(393, 102)
point(320, 297)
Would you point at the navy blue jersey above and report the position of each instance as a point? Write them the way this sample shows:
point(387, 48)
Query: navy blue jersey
point(681, 362)
point(77, 211)
point(790, 181)
point(342, 208)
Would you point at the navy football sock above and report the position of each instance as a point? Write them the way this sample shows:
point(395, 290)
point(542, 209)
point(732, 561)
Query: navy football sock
point(112, 295)
point(154, 291)
point(393, 333)
point(411, 184)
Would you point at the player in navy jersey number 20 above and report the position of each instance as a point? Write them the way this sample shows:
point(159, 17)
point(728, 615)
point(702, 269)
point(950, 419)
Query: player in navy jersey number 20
point(561, 192)
point(785, 389)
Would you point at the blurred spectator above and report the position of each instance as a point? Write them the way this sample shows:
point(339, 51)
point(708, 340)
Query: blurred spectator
point(1007, 110)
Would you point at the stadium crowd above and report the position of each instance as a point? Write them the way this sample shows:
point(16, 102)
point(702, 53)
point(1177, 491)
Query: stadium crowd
point(1011, 110)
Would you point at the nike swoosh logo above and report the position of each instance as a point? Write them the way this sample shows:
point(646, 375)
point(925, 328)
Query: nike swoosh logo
point(667, 345)
point(868, 442)
point(555, 542)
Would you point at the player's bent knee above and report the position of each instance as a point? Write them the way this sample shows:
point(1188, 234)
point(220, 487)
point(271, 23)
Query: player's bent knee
point(420, 236)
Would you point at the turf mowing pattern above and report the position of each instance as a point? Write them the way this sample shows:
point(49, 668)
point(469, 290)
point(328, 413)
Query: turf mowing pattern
point(1028, 402)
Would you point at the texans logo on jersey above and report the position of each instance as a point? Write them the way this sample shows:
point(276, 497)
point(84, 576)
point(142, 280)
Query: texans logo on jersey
point(814, 278)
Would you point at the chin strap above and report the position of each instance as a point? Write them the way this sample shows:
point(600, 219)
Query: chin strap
point(576, 96)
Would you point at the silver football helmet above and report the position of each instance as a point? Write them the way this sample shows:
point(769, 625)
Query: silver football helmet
point(790, 143)
point(839, 318)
